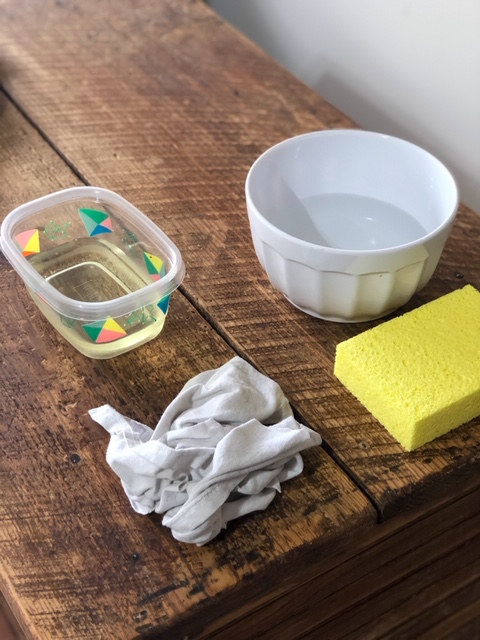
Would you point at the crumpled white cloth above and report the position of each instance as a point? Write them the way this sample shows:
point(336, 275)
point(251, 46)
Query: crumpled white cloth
point(220, 450)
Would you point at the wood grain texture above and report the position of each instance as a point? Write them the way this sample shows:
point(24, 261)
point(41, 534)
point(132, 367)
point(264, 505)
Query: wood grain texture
point(166, 104)
point(418, 581)
point(76, 561)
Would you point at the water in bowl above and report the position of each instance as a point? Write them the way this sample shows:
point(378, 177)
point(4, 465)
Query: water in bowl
point(355, 222)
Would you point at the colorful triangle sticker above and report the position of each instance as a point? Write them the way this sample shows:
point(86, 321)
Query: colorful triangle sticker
point(163, 304)
point(93, 330)
point(96, 222)
point(29, 242)
point(109, 336)
point(155, 266)
point(104, 331)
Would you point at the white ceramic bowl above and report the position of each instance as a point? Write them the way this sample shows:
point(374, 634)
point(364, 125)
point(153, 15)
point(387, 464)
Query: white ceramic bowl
point(349, 224)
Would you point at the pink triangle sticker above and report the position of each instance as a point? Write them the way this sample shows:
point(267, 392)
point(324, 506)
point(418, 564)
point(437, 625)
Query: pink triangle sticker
point(106, 335)
point(29, 242)
point(107, 223)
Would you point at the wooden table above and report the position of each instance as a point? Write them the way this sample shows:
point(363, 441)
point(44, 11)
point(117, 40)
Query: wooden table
point(168, 105)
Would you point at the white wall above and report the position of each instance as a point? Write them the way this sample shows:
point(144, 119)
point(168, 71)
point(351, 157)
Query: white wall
point(409, 68)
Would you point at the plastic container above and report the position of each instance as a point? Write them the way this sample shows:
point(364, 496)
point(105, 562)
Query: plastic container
point(98, 269)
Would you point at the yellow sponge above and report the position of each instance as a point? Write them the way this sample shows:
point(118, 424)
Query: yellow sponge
point(418, 374)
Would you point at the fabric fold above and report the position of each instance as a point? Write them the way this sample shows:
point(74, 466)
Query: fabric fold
point(221, 450)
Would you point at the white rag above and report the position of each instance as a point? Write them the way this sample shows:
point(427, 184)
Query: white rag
point(220, 451)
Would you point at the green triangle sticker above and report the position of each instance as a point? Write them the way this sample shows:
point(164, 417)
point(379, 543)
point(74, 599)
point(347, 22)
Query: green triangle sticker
point(97, 216)
point(94, 329)
point(153, 263)
point(90, 225)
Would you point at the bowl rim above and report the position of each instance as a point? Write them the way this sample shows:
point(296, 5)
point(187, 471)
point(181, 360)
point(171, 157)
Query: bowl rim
point(152, 293)
point(253, 210)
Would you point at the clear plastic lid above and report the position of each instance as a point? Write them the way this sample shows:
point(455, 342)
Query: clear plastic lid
point(100, 219)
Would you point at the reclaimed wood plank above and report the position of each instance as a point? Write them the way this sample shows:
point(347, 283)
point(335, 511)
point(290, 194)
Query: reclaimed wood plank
point(168, 105)
point(412, 582)
point(76, 561)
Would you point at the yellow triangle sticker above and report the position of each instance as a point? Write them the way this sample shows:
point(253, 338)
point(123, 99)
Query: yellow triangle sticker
point(156, 261)
point(29, 242)
point(111, 325)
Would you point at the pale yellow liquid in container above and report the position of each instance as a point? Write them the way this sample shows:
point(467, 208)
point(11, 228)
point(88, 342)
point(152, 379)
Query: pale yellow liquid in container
point(93, 270)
